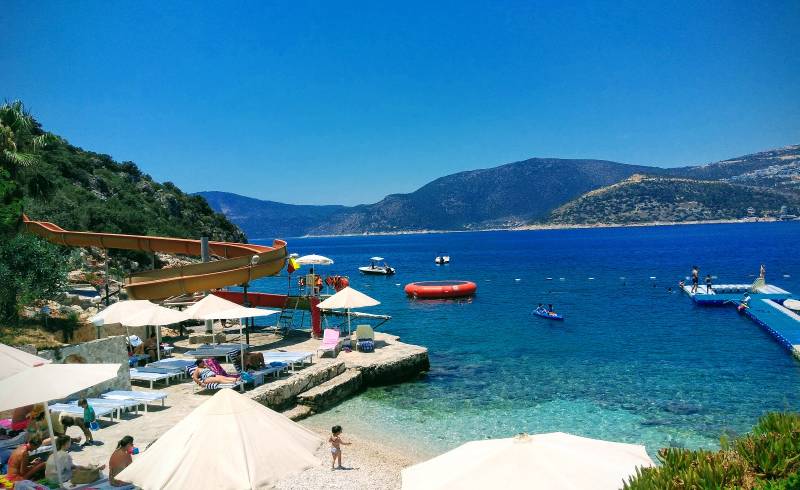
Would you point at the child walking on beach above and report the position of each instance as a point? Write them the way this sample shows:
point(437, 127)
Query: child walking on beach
point(336, 449)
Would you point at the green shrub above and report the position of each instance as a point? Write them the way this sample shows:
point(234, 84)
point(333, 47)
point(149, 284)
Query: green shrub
point(766, 459)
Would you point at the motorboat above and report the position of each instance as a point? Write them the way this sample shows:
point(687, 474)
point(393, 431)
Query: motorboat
point(442, 259)
point(375, 268)
point(545, 313)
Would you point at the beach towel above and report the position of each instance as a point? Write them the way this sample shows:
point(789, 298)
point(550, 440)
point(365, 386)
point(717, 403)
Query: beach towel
point(366, 345)
point(215, 367)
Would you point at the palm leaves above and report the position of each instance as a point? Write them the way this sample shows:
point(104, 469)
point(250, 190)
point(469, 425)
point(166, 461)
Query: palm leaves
point(20, 137)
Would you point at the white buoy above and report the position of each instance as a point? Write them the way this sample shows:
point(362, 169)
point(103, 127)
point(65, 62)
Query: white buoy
point(560, 278)
point(652, 277)
point(591, 278)
point(517, 279)
point(397, 284)
point(548, 278)
point(787, 276)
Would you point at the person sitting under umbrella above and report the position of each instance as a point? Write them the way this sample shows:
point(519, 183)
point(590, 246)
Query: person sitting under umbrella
point(20, 466)
point(204, 376)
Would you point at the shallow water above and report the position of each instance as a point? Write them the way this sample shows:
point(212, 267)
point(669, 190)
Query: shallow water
point(632, 361)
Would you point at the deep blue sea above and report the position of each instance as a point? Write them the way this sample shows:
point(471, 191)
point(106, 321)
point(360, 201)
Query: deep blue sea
point(633, 362)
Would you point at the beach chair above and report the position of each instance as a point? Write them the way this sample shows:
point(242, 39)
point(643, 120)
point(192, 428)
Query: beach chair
point(151, 378)
point(142, 397)
point(258, 375)
point(291, 358)
point(365, 338)
point(330, 342)
point(76, 411)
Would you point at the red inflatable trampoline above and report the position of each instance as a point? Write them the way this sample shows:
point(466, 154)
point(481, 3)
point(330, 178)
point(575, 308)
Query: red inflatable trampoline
point(441, 289)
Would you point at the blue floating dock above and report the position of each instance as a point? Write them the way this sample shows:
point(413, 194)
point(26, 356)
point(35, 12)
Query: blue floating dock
point(764, 306)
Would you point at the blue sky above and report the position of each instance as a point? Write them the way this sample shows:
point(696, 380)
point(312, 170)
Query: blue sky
point(330, 102)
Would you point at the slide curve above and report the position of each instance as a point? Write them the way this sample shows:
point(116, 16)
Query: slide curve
point(237, 265)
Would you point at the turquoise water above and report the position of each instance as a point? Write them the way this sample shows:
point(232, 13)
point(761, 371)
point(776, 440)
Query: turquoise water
point(632, 362)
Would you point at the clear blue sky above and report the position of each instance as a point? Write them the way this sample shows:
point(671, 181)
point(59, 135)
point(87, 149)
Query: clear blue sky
point(345, 102)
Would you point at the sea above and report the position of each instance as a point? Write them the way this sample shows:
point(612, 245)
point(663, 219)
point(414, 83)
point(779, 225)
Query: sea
point(634, 361)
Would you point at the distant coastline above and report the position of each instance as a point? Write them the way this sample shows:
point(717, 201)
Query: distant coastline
point(545, 227)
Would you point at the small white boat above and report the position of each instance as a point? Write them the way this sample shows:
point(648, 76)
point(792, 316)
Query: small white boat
point(375, 268)
point(442, 259)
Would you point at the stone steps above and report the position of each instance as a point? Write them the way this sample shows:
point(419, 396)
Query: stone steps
point(282, 394)
point(332, 391)
point(298, 412)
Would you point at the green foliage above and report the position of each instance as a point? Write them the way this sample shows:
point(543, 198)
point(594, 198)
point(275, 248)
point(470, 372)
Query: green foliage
point(30, 269)
point(767, 458)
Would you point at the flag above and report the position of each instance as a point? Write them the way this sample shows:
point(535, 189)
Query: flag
point(292, 265)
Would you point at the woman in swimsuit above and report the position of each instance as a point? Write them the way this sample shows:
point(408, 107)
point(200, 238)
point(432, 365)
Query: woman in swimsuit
point(204, 376)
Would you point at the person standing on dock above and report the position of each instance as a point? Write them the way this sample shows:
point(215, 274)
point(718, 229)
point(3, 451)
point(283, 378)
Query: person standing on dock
point(695, 278)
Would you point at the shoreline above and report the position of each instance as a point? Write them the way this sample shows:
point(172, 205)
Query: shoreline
point(538, 227)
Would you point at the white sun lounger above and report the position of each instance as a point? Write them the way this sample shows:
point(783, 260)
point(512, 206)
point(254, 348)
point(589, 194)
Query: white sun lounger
point(118, 405)
point(291, 358)
point(68, 408)
point(151, 378)
point(174, 372)
point(142, 397)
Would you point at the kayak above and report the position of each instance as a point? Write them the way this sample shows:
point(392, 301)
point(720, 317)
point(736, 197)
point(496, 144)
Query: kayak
point(550, 315)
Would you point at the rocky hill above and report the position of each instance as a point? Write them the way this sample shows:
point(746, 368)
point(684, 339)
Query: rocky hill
point(777, 169)
point(642, 199)
point(501, 197)
point(83, 190)
point(540, 190)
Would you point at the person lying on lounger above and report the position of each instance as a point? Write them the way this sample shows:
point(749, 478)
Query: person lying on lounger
point(203, 376)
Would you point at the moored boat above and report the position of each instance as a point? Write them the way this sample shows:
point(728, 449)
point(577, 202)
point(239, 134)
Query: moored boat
point(442, 259)
point(377, 269)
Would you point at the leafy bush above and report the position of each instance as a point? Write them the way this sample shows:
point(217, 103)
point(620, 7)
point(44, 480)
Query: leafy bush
point(766, 459)
point(30, 269)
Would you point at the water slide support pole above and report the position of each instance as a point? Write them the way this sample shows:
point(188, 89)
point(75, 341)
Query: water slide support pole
point(247, 320)
point(206, 257)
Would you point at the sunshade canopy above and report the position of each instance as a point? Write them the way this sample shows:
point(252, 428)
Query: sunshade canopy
point(239, 312)
point(157, 315)
point(208, 305)
point(228, 442)
point(544, 461)
point(376, 258)
point(792, 304)
point(348, 298)
point(314, 260)
point(52, 382)
point(121, 310)
point(14, 360)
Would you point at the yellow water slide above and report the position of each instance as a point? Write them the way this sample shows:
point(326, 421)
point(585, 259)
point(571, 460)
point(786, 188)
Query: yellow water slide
point(238, 263)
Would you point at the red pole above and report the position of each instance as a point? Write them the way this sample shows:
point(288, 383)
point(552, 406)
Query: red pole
point(316, 323)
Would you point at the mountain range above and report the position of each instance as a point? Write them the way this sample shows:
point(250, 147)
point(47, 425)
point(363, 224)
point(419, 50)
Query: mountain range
point(541, 191)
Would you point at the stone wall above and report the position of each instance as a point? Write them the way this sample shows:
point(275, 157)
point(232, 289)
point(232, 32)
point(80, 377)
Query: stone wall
point(110, 350)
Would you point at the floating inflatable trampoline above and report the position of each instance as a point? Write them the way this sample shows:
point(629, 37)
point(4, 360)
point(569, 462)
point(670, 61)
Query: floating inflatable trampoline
point(441, 289)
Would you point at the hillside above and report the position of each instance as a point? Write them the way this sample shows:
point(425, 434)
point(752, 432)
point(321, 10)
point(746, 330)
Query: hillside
point(268, 219)
point(496, 197)
point(777, 169)
point(641, 199)
point(82, 190)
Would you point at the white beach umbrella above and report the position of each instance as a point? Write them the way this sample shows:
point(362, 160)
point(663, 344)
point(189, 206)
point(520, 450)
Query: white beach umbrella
point(119, 311)
point(228, 442)
point(314, 259)
point(14, 360)
point(156, 316)
point(47, 382)
point(792, 304)
point(239, 312)
point(347, 299)
point(211, 304)
point(544, 461)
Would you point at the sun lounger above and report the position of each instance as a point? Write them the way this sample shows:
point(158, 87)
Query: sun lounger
point(151, 378)
point(68, 408)
point(143, 397)
point(135, 359)
point(330, 342)
point(364, 333)
point(172, 363)
point(174, 372)
point(259, 374)
point(291, 358)
point(118, 405)
point(212, 386)
point(220, 350)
